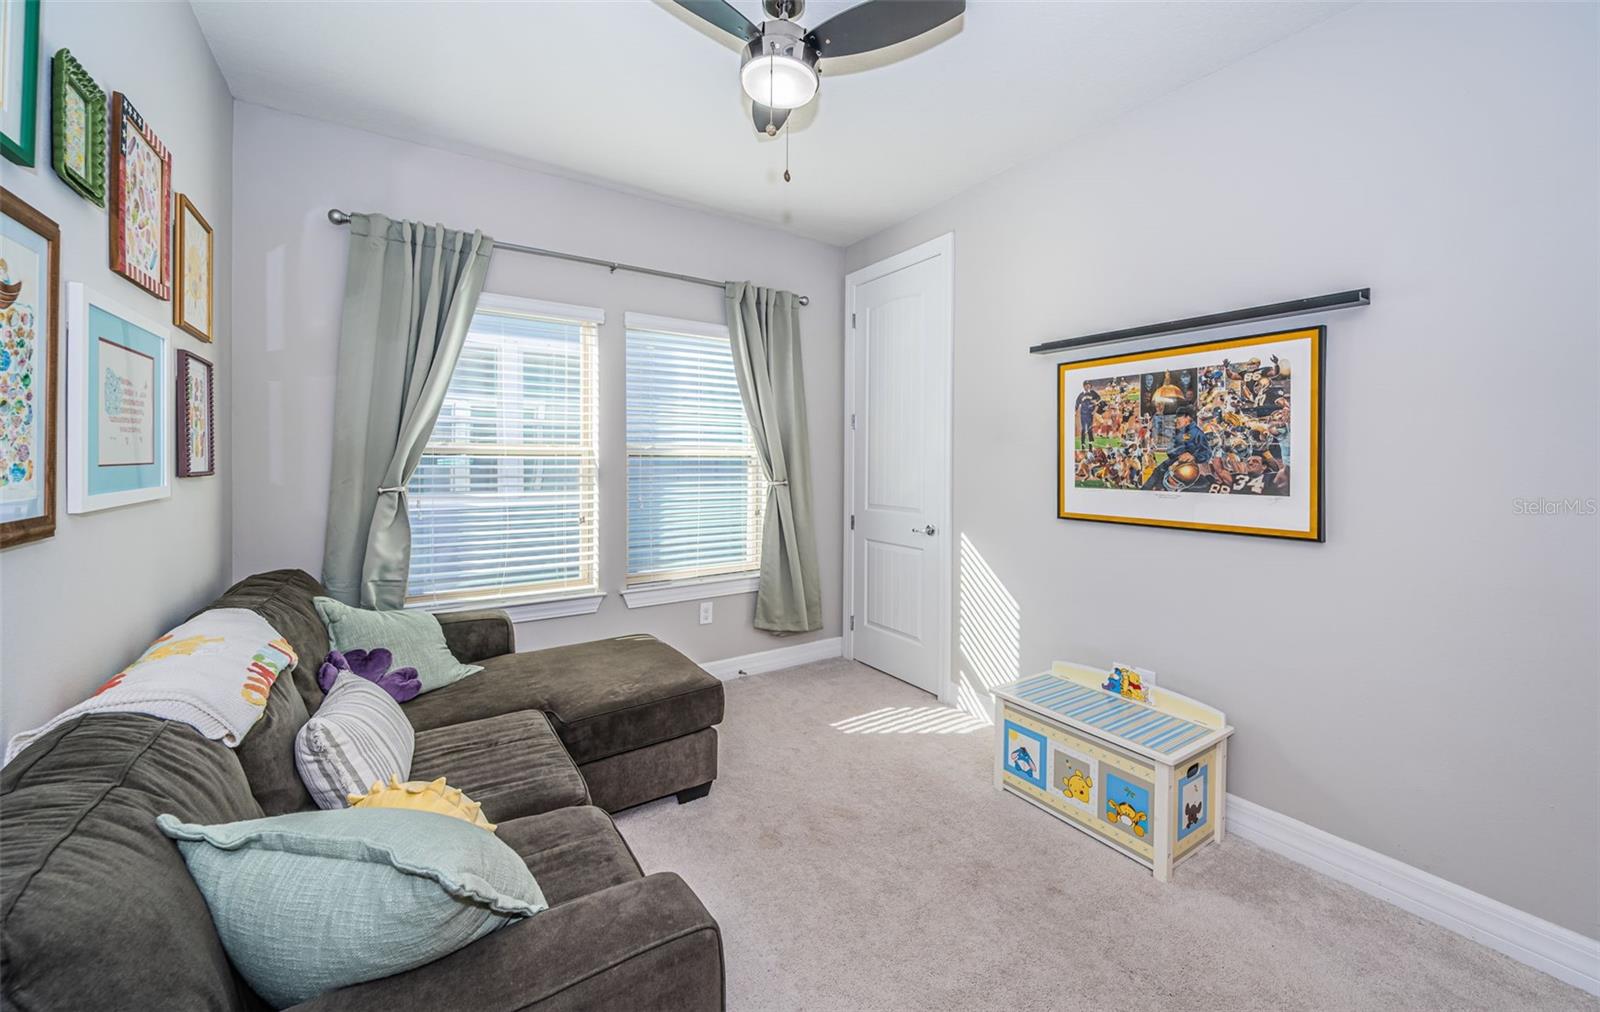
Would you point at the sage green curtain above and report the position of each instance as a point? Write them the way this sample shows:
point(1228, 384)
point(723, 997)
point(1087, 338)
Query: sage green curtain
point(765, 326)
point(409, 294)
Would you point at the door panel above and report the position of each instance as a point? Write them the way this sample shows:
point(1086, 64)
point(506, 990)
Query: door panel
point(894, 405)
point(901, 365)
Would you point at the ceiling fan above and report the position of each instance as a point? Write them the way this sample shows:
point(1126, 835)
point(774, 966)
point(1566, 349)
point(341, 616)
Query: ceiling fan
point(779, 70)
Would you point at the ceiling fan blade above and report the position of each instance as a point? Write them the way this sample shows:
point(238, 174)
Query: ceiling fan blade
point(880, 23)
point(720, 14)
point(765, 117)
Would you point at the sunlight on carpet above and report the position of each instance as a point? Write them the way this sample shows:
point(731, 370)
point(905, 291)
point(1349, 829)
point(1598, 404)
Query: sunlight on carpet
point(911, 720)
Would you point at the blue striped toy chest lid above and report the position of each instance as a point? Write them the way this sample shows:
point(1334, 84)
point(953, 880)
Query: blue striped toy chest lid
point(1115, 717)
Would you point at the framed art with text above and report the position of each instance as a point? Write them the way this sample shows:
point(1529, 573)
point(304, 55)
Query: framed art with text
point(119, 425)
point(30, 272)
point(191, 298)
point(1219, 436)
point(196, 405)
point(19, 78)
point(78, 128)
point(141, 201)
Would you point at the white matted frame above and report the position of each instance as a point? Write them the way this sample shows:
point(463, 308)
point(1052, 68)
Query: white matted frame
point(944, 248)
point(79, 497)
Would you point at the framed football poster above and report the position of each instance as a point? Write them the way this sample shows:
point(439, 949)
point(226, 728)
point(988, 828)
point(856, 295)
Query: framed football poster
point(1219, 436)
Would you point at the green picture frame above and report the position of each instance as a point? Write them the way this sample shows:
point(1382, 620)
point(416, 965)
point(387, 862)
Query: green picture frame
point(18, 113)
point(78, 128)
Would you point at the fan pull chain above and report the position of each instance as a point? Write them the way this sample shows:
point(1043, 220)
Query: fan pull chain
point(786, 133)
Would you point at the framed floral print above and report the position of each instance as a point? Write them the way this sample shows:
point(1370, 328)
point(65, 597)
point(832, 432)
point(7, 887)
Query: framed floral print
point(191, 301)
point(78, 128)
point(30, 273)
point(197, 430)
point(141, 201)
point(119, 376)
point(19, 78)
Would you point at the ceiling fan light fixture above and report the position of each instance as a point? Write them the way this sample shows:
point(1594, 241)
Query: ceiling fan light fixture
point(780, 67)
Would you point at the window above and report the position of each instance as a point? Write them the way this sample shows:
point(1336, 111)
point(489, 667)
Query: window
point(696, 490)
point(502, 504)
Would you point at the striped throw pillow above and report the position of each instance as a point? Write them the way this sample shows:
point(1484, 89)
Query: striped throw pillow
point(357, 738)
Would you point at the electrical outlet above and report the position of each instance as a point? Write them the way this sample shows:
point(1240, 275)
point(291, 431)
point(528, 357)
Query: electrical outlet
point(705, 612)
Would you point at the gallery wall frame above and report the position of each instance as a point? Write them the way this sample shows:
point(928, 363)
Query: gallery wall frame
point(195, 401)
point(119, 425)
point(78, 128)
point(1222, 436)
point(19, 68)
point(193, 291)
point(30, 328)
point(141, 201)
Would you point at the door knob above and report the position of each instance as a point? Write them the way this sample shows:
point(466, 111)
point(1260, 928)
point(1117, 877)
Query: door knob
point(928, 530)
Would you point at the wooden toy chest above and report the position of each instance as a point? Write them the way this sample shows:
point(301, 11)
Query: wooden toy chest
point(1148, 779)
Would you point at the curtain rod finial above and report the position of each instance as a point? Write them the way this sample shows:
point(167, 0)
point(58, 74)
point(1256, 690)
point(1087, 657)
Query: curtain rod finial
point(338, 217)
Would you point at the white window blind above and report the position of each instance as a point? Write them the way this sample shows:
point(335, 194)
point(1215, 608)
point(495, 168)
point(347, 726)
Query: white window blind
point(696, 490)
point(502, 504)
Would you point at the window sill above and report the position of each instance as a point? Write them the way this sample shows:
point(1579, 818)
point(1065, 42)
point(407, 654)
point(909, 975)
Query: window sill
point(522, 609)
point(671, 592)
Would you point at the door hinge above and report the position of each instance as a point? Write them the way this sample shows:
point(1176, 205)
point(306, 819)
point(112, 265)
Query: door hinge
point(852, 623)
point(852, 421)
point(852, 521)
point(852, 321)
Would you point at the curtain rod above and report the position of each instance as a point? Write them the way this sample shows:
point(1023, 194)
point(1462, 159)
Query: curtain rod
point(339, 217)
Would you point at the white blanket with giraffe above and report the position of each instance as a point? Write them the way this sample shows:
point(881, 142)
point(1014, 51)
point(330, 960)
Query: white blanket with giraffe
point(213, 673)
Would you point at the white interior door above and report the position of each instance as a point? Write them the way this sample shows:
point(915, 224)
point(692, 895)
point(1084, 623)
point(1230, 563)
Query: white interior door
point(899, 436)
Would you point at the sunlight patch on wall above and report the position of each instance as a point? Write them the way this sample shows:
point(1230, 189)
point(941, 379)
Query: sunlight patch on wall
point(988, 633)
point(911, 720)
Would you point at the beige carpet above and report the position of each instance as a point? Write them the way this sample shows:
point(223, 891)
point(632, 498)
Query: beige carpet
point(857, 856)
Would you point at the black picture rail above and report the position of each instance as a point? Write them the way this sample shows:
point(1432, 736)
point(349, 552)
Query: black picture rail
point(1296, 307)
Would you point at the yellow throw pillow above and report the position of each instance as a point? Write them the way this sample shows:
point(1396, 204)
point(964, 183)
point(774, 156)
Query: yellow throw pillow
point(423, 796)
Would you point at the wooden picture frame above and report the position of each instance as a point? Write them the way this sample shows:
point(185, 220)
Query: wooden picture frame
point(193, 290)
point(141, 201)
point(30, 287)
point(119, 376)
point(19, 106)
point(1239, 420)
point(77, 128)
point(196, 404)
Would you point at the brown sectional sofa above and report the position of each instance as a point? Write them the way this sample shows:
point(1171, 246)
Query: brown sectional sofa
point(97, 910)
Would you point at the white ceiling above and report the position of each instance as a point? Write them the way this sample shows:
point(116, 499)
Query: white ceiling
point(639, 95)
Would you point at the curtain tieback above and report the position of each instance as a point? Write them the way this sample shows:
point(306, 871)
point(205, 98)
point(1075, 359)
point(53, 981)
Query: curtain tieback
point(775, 484)
point(399, 490)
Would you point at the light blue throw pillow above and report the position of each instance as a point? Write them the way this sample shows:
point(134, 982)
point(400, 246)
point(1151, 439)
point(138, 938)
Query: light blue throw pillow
point(415, 638)
point(311, 901)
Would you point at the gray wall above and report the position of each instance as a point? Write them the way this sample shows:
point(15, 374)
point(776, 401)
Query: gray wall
point(1425, 682)
point(76, 608)
point(289, 285)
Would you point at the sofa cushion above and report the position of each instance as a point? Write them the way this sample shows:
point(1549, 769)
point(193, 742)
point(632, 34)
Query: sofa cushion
point(283, 597)
point(572, 852)
point(513, 765)
point(603, 698)
point(99, 910)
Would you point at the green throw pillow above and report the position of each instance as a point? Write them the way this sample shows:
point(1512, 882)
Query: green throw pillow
point(415, 638)
point(312, 901)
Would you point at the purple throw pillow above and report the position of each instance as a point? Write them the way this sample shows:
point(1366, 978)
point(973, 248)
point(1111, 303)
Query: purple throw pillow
point(373, 665)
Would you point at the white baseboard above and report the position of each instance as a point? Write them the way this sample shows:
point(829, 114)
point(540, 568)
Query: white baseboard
point(1562, 953)
point(772, 660)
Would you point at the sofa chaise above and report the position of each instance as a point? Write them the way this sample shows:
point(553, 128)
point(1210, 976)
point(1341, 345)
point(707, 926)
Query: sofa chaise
point(98, 911)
